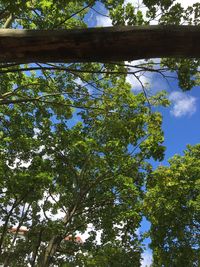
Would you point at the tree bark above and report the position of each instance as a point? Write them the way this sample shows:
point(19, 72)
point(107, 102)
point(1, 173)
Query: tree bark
point(5, 225)
point(54, 243)
point(51, 250)
point(99, 44)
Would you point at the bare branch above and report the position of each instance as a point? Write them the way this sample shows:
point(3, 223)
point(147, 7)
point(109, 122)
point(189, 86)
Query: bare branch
point(8, 21)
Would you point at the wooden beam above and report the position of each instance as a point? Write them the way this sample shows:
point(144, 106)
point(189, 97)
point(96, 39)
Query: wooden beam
point(99, 44)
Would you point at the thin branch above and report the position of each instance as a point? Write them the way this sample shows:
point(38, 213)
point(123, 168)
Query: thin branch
point(73, 71)
point(3, 66)
point(138, 145)
point(8, 21)
point(39, 99)
point(11, 93)
point(71, 16)
point(23, 217)
point(104, 15)
point(64, 69)
point(144, 91)
point(63, 208)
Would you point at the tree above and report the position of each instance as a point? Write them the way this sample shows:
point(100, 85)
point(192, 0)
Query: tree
point(85, 173)
point(75, 141)
point(172, 207)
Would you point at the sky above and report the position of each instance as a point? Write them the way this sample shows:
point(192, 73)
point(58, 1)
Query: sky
point(181, 120)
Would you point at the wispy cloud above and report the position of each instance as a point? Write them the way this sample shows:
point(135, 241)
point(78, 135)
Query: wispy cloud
point(133, 2)
point(147, 259)
point(86, 235)
point(182, 104)
point(139, 4)
point(186, 3)
point(103, 21)
point(78, 81)
point(136, 81)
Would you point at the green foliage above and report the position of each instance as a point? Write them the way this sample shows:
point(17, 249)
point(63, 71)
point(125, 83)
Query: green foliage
point(172, 206)
point(44, 14)
point(56, 178)
point(111, 255)
point(170, 13)
point(187, 70)
point(127, 15)
point(75, 145)
point(85, 171)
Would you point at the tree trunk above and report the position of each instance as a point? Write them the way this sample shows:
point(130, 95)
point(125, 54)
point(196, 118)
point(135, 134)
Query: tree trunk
point(99, 44)
point(51, 250)
point(54, 243)
point(5, 226)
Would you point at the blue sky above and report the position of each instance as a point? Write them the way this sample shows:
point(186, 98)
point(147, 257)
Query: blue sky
point(181, 126)
point(181, 120)
point(183, 129)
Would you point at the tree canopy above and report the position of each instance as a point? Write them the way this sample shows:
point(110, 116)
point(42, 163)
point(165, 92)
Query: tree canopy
point(76, 143)
point(173, 207)
point(89, 173)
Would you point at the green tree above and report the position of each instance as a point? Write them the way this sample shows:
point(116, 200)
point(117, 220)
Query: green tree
point(86, 173)
point(75, 141)
point(172, 206)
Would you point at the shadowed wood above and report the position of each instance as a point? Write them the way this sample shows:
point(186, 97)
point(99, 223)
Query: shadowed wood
point(99, 44)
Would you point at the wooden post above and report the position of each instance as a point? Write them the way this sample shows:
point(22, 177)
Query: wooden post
point(99, 44)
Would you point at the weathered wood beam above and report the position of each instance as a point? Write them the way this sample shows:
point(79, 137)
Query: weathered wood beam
point(99, 44)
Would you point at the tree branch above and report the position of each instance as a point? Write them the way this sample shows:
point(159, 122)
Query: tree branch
point(99, 44)
point(8, 21)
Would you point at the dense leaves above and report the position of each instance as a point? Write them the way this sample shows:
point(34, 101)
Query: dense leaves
point(75, 144)
point(172, 205)
point(84, 174)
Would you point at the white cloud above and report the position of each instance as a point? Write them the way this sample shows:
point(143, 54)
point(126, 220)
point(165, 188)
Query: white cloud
point(78, 81)
point(18, 163)
point(182, 104)
point(139, 4)
point(147, 259)
point(90, 227)
point(103, 21)
point(135, 83)
point(186, 3)
point(133, 2)
point(86, 235)
point(133, 80)
point(136, 3)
